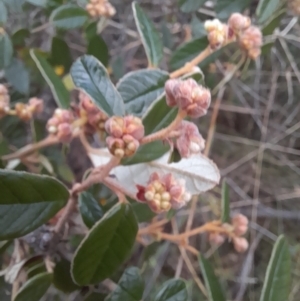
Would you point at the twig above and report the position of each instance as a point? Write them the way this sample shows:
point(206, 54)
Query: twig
point(65, 215)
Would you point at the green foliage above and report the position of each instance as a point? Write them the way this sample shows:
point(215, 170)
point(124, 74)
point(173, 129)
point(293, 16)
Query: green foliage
point(188, 6)
point(130, 287)
point(6, 50)
point(225, 203)
point(266, 8)
point(278, 275)
point(59, 91)
point(28, 201)
point(224, 8)
point(90, 76)
point(214, 290)
point(35, 288)
point(140, 89)
point(149, 35)
point(172, 290)
point(106, 246)
point(68, 16)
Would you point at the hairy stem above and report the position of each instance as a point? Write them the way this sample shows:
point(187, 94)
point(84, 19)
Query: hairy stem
point(163, 134)
point(30, 148)
point(190, 65)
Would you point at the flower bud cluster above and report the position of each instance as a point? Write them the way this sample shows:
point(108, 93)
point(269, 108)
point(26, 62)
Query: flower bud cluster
point(218, 33)
point(237, 28)
point(190, 97)
point(4, 101)
point(239, 227)
point(163, 192)
point(98, 8)
point(25, 111)
point(95, 117)
point(248, 36)
point(189, 141)
point(125, 134)
point(60, 125)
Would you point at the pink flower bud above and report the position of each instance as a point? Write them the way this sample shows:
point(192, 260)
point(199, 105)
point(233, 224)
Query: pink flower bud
point(86, 103)
point(216, 239)
point(239, 22)
point(131, 145)
point(240, 244)
point(64, 132)
point(36, 105)
point(239, 219)
point(251, 41)
point(23, 111)
point(4, 100)
point(190, 140)
point(114, 126)
point(240, 230)
point(134, 127)
point(64, 116)
point(116, 146)
point(254, 53)
point(169, 89)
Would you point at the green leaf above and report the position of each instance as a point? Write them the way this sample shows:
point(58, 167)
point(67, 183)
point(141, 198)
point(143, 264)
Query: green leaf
point(106, 246)
point(277, 281)
point(3, 13)
point(68, 16)
point(147, 153)
point(90, 75)
point(35, 288)
point(142, 212)
point(188, 6)
point(130, 286)
point(19, 37)
point(18, 76)
point(62, 279)
point(41, 3)
point(273, 22)
point(197, 26)
point(224, 8)
point(98, 48)
point(159, 116)
point(173, 290)
point(187, 52)
point(27, 202)
point(139, 89)
point(15, 6)
point(225, 203)
point(266, 9)
point(89, 208)
point(212, 284)
point(60, 54)
point(59, 91)
point(149, 35)
point(6, 50)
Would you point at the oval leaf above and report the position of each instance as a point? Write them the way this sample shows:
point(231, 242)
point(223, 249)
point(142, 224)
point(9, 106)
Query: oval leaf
point(278, 276)
point(225, 203)
point(149, 35)
point(266, 9)
point(18, 76)
point(68, 16)
point(98, 48)
point(130, 287)
point(106, 247)
point(89, 208)
point(90, 76)
point(139, 89)
point(59, 91)
point(27, 202)
point(6, 49)
point(187, 52)
point(62, 279)
point(224, 8)
point(35, 288)
point(188, 6)
point(212, 284)
point(173, 290)
point(200, 173)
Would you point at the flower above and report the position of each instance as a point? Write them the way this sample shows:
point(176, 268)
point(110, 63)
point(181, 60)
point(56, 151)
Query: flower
point(188, 96)
point(163, 192)
point(124, 135)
